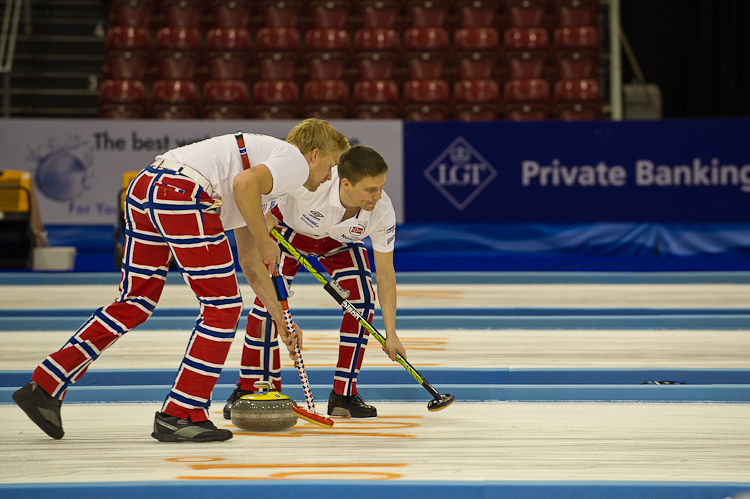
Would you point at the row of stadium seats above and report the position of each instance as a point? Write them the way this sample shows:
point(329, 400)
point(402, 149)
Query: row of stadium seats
point(316, 69)
point(424, 53)
point(421, 100)
point(353, 14)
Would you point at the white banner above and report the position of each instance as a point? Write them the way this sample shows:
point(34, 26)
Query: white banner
point(78, 165)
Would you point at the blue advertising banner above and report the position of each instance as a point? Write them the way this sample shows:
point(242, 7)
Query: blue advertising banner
point(685, 171)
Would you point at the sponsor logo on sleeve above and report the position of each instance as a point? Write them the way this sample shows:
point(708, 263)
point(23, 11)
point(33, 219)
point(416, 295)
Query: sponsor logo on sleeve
point(391, 229)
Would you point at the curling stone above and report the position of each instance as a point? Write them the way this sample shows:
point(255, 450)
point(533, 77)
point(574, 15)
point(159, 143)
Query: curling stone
point(268, 410)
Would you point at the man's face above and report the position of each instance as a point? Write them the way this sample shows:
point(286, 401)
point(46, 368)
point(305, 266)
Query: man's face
point(366, 193)
point(320, 168)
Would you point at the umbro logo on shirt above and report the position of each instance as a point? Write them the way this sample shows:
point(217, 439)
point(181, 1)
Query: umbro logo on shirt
point(316, 214)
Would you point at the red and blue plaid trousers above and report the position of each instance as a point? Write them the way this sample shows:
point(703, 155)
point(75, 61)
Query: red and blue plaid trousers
point(168, 216)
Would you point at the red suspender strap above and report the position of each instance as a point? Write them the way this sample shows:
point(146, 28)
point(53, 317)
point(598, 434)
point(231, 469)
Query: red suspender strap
point(243, 151)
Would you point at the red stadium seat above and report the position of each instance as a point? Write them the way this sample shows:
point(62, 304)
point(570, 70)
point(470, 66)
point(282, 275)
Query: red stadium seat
point(379, 14)
point(426, 100)
point(425, 51)
point(174, 100)
point(178, 52)
point(281, 13)
point(526, 13)
point(326, 52)
point(477, 13)
point(527, 99)
point(526, 52)
point(325, 99)
point(329, 13)
point(127, 51)
point(577, 12)
point(427, 13)
point(476, 100)
point(375, 99)
point(130, 13)
point(577, 100)
point(277, 52)
point(232, 13)
point(224, 100)
point(376, 51)
point(576, 50)
point(183, 13)
point(476, 52)
point(122, 99)
point(275, 100)
point(227, 53)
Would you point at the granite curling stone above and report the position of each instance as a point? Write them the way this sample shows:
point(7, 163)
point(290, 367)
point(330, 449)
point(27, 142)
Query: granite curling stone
point(268, 410)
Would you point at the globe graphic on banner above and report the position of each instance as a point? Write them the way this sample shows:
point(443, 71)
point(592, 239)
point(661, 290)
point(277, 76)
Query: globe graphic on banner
point(61, 175)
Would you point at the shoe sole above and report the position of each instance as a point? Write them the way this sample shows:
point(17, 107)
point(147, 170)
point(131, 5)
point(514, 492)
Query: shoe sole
point(341, 412)
point(33, 413)
point(169, 437)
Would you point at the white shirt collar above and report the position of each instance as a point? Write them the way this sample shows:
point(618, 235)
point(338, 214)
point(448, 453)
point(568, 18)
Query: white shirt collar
point(334, 198)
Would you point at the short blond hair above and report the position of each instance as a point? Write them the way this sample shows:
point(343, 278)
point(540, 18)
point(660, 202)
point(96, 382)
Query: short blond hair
point(313, 133)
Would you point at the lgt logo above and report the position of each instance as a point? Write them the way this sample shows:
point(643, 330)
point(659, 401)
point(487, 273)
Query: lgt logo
point(460, 173)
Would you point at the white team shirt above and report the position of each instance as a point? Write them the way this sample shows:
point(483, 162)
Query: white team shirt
point(218, 159)
point(319, 214)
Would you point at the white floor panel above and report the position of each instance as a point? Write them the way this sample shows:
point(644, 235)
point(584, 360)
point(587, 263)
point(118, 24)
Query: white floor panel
point(419, 295)
point(466, 441)
point(151, 349)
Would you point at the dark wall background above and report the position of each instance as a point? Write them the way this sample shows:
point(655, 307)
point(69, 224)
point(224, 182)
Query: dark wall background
point(697, 51)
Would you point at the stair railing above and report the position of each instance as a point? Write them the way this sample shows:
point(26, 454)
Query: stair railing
point(8, 44)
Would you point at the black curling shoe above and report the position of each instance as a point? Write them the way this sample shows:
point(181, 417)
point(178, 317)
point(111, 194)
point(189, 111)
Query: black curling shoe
point(172, 429)
point(41, 407)
point(350, 405)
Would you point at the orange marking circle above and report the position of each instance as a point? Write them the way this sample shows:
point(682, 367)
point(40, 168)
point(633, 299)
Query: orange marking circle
point(294, 474)
point(195, 459)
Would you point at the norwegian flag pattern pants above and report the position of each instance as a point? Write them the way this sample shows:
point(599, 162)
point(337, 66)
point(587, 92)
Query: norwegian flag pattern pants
point(349, 266)
point(168, 216)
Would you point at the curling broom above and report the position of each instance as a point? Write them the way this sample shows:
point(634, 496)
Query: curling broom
point(309, 414)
